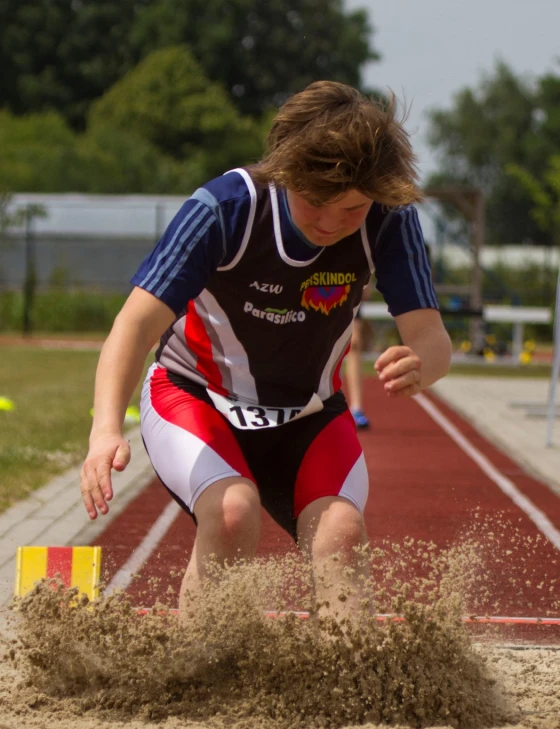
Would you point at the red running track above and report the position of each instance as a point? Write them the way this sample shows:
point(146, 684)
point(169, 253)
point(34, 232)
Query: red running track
point(422, 485)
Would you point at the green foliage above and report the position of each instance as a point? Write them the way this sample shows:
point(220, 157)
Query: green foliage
point(37, 153)
point(545, 195)
point(173, 79)
point(116, 161)
point(168, 101)
point(40, 153)
point(61, 311)
point(8, 216)
point(61, 55)
point(508, 120)
point(261, 51)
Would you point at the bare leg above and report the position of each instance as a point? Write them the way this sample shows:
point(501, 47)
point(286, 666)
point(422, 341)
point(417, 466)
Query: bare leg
point(228, 515)
point(331, 532)
point(353, 370)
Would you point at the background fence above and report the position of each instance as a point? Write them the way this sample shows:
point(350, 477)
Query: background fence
point(70, 268)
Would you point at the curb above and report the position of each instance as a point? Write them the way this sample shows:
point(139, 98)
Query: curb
point(54, 515)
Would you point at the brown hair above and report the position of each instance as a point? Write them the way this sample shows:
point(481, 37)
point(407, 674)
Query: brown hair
point(329, 139)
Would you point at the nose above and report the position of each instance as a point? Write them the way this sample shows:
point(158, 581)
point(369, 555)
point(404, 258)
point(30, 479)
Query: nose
point(328, 221)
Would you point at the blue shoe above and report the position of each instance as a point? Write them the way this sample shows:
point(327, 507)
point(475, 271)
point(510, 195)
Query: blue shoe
point(362, 423)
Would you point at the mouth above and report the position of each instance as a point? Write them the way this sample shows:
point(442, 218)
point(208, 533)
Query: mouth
point(325, 232)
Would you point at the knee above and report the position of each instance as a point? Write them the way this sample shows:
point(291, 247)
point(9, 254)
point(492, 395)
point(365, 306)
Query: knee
point(339, 530)
point(235, 518)
point(240, 514)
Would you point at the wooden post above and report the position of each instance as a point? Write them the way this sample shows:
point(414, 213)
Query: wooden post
point(30, 280)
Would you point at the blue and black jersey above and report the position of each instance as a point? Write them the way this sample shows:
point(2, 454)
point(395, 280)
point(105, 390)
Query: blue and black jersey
point(263, 315)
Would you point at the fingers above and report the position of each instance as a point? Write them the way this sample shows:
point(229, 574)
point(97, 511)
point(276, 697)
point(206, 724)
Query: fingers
point(400, 371)
point(392, 354)
point(95, 479)
point(405, 386)
point(122, 457)
point(96, 488)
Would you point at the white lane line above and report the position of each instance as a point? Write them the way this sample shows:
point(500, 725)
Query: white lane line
point(122, 579)
point(539, 518)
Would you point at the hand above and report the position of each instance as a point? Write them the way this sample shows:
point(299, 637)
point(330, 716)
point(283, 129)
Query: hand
point(105, 452)
point(399, 370)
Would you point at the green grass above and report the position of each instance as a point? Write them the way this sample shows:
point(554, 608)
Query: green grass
point(499, 370)
point(48, 430)
point(488, 370)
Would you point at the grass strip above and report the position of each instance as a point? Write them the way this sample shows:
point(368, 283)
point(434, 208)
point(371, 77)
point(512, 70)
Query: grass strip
point(48, 430)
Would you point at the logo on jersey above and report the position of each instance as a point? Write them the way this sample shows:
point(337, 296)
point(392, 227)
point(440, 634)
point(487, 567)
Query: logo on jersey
point(325, 290)
point(275, 316)
point(266, 287)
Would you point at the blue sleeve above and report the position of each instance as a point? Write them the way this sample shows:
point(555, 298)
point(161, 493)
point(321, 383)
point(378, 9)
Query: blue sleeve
point(206, 233)
point(402, 268)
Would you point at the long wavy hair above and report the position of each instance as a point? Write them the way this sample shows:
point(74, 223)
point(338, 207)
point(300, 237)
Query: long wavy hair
point(329, 139)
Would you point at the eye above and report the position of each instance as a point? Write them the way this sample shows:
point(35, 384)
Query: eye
point(314, 204)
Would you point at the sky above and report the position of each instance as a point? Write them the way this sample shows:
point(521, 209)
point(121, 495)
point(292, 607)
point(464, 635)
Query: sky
point(431, 49)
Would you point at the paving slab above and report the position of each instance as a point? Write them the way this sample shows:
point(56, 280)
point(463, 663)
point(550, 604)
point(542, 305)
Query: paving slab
point(55, 516)
point(501, 410)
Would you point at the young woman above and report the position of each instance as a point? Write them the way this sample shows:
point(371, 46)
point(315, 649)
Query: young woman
point(252, 292)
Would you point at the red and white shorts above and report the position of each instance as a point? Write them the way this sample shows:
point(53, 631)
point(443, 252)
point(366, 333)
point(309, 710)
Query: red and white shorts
point(191, 445)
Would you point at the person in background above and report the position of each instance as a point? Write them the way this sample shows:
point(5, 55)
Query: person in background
point(353, 367)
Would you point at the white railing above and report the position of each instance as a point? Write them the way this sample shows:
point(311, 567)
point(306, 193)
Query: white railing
point(517, 316)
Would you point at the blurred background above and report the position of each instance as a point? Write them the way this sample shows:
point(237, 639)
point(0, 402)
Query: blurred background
point(111, 114)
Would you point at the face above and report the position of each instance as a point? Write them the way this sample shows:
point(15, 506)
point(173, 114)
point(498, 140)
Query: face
point(326, 224)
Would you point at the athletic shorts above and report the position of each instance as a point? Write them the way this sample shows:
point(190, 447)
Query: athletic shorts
point(191, 445)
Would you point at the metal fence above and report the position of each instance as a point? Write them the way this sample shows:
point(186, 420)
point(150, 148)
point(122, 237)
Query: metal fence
point(90, 241)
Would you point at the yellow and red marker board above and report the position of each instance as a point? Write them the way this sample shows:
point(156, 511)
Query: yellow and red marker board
point(74, 566)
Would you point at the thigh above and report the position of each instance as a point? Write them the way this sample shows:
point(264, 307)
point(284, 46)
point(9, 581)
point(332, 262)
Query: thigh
point(333, 465)
point(190, 445)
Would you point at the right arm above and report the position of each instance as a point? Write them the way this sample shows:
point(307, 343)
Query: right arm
point(138, 326)
point(205, 233)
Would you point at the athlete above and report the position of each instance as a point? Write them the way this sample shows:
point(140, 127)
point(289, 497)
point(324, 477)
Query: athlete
point(252, 292)
point(353, 367)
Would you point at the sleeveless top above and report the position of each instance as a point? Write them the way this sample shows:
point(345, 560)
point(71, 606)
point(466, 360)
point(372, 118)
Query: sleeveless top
point(268, 329)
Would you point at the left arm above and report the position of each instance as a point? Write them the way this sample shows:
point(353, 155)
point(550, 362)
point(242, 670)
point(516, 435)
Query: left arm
point(423, 357)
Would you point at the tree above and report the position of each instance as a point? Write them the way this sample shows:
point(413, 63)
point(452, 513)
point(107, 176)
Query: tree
point(61, 55)
point(40, 153)
point(508, 120)
point(545, 196)
point(261, 51)
point(37, 153)
point(168, 101)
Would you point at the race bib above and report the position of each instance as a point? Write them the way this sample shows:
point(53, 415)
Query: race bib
point(253, 417)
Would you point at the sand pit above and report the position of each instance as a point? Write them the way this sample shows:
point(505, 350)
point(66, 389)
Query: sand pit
point(530, 681)
point(226, 665)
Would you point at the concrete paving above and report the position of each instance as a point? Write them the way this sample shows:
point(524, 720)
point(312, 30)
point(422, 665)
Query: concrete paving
point(503, 410)
point(54, 515)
